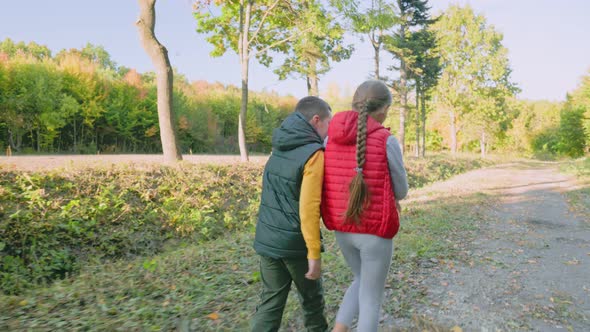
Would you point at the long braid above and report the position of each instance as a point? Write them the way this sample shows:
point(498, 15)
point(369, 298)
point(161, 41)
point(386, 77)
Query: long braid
point(359, 191)
point(361, 136)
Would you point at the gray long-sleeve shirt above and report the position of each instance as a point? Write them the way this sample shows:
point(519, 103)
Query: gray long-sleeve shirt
point(399, 178)
point(397, 170)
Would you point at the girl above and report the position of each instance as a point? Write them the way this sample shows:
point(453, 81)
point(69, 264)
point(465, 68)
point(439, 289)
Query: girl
point(364, 176)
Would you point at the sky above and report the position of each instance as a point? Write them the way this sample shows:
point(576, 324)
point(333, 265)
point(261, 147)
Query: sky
point(547, 41)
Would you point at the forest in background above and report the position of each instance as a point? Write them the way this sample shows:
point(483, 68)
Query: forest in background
point(452, 88)
point(80, 101)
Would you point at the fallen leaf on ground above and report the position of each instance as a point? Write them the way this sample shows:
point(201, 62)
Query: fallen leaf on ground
point(573, 262)
point(213, 316)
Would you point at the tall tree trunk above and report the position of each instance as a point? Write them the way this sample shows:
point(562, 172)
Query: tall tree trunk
point(243, 50)
point(32, 137)
point(482, 143)
point(403, 106)
point(38, 141)
point(453, 132)
point(75, 136)
point(82, 134)
point(313, 82)
point(403, 97)
point(376, 47)
point(423, 106)
point(164, 78)
point(417, 152)
point(11, 140)
point(19, 141)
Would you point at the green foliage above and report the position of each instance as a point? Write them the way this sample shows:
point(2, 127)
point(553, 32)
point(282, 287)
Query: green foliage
point(546, 143)
point(422, 171)
point(269, 26)
point(372, 21)
point(551, 129)
point(475, 76)
point(53, 223)
point(580, 98)
point(529, 120)
point(572, 140)
point(412, 14)
point(321, 41)
point(81, 102)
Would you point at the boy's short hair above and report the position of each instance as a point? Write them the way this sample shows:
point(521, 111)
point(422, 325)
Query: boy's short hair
point(312, 105)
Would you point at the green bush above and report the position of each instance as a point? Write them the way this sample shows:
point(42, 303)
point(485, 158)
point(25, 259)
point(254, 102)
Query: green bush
point(546, 141)
point(50, 223)
point(572, 139)
point(439, 167)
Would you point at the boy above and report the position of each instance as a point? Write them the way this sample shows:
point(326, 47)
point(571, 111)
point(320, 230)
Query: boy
point(288, 229)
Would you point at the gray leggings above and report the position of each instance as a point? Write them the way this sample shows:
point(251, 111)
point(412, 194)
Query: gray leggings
point(369, 257)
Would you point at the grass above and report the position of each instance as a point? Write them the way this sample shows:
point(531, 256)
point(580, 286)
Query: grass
point(213, 285)
point(180, 288)
point(579, 199)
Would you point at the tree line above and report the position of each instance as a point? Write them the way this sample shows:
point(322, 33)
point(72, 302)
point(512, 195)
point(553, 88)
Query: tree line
point(81, 101)
point(451, 68)
point(451, 80)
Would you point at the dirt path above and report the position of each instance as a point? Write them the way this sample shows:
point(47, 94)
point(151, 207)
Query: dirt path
point(529, 266)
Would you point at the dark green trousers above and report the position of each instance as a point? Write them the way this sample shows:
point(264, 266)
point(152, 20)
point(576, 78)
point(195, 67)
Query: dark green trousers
point(277, 275)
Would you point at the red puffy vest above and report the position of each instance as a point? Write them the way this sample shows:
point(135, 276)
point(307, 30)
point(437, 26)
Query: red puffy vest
point(380, 217)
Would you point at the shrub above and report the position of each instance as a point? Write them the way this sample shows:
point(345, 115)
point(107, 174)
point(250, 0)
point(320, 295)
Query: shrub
point(52, 222)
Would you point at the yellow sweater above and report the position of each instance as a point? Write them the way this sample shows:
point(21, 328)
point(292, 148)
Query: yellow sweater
point(309, 203)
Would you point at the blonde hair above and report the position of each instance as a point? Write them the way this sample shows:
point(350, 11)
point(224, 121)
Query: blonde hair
point(369, 97)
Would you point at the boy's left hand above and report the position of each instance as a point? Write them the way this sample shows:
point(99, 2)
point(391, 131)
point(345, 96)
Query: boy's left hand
point(315, 269)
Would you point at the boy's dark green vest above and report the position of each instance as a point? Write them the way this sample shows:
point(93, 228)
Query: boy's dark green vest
point(278, 231)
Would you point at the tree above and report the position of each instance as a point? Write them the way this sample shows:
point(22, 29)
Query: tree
point(581, 99)
point(425, 71)
point(159, 55)
point(572, 140)
point(321, 41)
point(39, 52)
point(97, 54)
point(475, 69)
point(251, 29)
point(373, 22)
point(412, 14)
